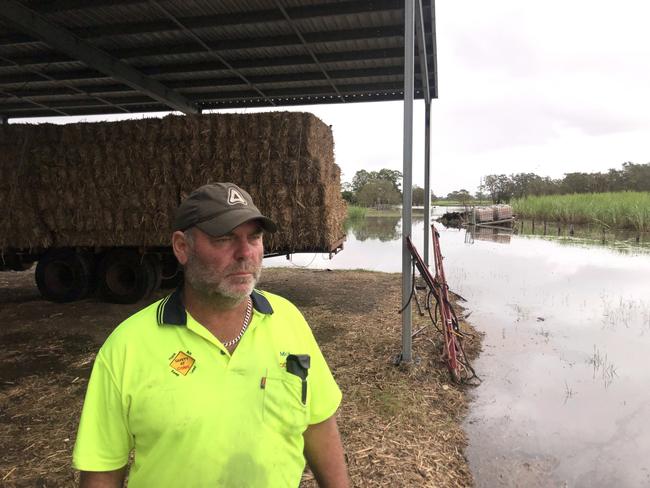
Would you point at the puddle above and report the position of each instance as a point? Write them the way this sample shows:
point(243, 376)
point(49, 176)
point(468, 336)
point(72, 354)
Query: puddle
point(564, 399)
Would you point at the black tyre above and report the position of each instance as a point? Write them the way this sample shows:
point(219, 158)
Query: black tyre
point(65, 275)
point(125, 276)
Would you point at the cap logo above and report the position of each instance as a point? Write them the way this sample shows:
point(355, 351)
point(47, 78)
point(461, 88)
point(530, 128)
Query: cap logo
point(234, 197)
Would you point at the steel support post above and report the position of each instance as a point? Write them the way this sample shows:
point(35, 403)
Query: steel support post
point(407, 181)
point(427, 180)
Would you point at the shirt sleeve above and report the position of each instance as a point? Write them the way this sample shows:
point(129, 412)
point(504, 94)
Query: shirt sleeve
point(103, 439)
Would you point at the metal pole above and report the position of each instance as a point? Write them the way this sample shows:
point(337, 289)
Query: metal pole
point(407, 182)
point(427, 180)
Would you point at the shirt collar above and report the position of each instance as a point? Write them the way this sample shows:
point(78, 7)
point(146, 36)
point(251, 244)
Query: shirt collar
point(171, 309)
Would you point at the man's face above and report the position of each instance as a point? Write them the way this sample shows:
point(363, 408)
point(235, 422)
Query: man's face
point(228, 266)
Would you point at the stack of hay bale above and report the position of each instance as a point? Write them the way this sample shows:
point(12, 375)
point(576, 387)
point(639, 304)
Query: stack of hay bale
point(118, 183)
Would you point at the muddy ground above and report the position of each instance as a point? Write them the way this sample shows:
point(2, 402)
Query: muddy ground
point(400, 425)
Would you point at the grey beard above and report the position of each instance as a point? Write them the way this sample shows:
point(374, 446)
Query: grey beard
point(204, 282)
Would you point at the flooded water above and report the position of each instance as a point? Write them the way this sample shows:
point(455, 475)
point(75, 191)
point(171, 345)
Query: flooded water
point(565, 398)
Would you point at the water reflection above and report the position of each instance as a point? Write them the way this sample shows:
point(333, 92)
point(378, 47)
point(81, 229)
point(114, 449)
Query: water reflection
point(382, 228)
point(501, 235)
point(620, 240)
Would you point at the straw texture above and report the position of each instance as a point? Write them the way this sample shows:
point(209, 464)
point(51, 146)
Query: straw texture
point(118, 183)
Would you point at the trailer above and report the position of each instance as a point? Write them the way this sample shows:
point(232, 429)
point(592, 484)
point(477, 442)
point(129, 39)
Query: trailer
point(92, 204)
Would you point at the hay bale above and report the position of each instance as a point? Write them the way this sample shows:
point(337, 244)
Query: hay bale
point(118, 183)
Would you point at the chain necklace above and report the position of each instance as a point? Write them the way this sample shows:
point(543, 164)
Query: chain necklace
point(247, 317)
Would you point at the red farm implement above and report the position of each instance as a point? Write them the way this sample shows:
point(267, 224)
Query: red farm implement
point(442, 312)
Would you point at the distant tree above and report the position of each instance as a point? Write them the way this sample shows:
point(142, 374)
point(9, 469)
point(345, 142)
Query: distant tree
point(392, 175)
point(361, 177)
point(418, 196)
point(616, 180)
point(636, 177)
point(462, 196)
point(632, 177)
point(347, 194)
point(577, 183)
point(376, 193)
point(499, 187)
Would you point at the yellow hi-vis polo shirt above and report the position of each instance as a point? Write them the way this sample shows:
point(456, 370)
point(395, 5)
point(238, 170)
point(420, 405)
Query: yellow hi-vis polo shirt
point(196, 416)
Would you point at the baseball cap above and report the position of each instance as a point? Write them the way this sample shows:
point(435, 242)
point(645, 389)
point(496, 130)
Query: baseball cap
point(217, 209)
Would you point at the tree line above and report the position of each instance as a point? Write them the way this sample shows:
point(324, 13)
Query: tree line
point(502, 188)
point(383, 187)
point(379, 189)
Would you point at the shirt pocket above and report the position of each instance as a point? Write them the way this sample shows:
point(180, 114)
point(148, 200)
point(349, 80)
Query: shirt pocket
point(283, 409)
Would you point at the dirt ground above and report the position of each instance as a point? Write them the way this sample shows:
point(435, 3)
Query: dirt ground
point(400, 425)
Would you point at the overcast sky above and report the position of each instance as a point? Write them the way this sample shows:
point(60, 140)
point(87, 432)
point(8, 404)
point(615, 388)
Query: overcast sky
point(549, 87)
point(524, 86)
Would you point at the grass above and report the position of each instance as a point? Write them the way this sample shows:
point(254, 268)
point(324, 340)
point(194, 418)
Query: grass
point(620, 210)
point(356, 213)
point(390, 212)
point(458, 203)
point(359, 213)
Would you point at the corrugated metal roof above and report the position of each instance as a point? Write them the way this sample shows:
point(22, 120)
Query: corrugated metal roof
point(144, 55)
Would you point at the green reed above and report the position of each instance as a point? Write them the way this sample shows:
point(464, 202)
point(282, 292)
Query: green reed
point(620, 210)
point(356, 213)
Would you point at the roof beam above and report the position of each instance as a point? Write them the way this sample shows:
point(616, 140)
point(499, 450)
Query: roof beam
point(208, 21)
point(45, 6)
point(341, 74)
point(23, 101)
point(246, 93)
point(322, 90)
point(227, 45)
point(241, 18)
point(73, 88)
point(235, 103)
point(61, 39)
point(309, 49)
point(194, 67)
point(202, 43)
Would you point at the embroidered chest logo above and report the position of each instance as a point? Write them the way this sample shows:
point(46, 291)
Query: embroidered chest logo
point(283, 359)
point(234, 197)
point(182, 363)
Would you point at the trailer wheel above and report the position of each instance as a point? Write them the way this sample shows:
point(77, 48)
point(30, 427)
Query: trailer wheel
point(64, 275)
point(127, 277)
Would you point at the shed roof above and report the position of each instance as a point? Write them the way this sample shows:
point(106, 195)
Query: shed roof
point(82, 57)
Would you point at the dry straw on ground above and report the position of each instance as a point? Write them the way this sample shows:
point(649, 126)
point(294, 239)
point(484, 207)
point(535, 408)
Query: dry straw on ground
point(400, 425)
point(118, 183)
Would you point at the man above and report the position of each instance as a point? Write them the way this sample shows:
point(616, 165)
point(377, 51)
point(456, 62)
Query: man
point(218, 384)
